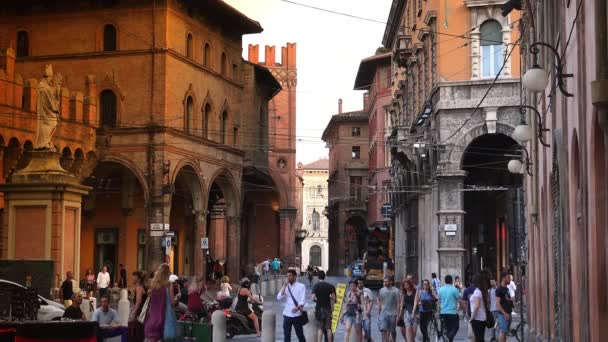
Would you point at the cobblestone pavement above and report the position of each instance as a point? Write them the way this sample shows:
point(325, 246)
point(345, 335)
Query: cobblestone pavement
point(270, 303)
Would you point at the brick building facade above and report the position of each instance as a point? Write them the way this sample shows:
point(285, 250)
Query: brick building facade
point(159, 114)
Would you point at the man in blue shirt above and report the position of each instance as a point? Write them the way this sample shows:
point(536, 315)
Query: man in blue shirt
point(109, 322)
point(448, 298)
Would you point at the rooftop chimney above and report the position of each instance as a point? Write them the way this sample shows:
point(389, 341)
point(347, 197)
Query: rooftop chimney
point(339, 106)
point(366, 101)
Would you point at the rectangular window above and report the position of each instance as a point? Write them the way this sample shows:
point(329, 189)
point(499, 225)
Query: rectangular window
point(356, 131)
point(356, 152)
point(311, 192)
point(491, 60)
point(356, 189)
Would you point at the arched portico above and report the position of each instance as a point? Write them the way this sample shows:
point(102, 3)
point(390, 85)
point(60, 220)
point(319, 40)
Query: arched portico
point(223, 226)
point(186, 220)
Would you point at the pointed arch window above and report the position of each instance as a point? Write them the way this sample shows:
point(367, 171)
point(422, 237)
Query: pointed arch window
point(189, 117)
point(23, 44)
point(224, 62)
point(207, 55)
point(223, 125)
point(207, 116)
point(491, 48)
point(109, 38)
point(189, 45)
point(107, 109)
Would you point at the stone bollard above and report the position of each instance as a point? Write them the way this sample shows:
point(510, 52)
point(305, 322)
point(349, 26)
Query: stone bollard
point(272, 287)
point(310, 329)
point(264, 288)
point(124, 307)
point(218, 320)
point(269, 326)
point(85, 306)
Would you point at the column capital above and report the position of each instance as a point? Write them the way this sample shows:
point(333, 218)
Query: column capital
point(232, 220)
point(288, 213)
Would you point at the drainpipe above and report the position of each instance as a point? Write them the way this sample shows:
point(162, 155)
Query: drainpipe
point(599, 87)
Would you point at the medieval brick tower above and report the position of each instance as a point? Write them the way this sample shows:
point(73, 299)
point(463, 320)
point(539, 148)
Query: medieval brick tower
point(282, 139)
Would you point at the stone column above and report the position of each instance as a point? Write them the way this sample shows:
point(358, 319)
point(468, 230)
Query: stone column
point(234, 248)
point(287, 234)
point(43, 209)
point(200, 226)
point(451, 242)
point(217, 233)
point(475, 54)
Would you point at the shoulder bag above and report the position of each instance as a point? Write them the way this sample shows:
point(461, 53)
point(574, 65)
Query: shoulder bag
point(144, 311)
point(303, 318)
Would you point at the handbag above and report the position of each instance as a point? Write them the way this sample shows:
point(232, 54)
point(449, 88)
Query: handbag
point(489, 320)
point(144, 311)
point(303, 318)
point(170, 328)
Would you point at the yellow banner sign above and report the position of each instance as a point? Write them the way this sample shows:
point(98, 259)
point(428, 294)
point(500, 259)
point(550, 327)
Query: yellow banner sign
point(340, 292)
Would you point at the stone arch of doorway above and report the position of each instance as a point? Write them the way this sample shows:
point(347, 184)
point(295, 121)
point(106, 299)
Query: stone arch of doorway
point(457, 150)
point(187, 219)
point(113, 226)
point(126, 162)
point(223, 224)
point(492, 204)
point(260, 216)
point(355, 231)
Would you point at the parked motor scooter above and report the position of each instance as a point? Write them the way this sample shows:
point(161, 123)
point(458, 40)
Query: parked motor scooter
point(238, 324)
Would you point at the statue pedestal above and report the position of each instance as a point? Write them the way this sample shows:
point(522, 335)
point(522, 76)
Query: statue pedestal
point(43, 206)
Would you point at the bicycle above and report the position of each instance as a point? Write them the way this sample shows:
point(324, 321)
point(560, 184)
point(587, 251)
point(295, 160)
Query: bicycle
point(517, 331)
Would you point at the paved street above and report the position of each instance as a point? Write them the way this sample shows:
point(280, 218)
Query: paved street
point(270, 303)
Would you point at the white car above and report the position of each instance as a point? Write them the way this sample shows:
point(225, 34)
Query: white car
point(48, 311)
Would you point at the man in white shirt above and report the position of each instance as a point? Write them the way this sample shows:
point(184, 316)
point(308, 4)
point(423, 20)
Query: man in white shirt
point(294, 295)
point(103, 281)
point(266, 268)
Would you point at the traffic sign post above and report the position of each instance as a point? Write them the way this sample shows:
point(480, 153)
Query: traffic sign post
point(387, 210)
point(204, 243)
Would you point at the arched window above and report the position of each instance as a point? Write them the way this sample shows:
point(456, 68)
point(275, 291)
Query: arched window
point(316, 220)
point(207, 55)
point(107, 101)
point(206, 121)
point(224, 66)
point(189, 117)
point(189, 45)
point(491, 48)
point(223, 125)
point(109, 38)
point(23, 44)
point(315, 256)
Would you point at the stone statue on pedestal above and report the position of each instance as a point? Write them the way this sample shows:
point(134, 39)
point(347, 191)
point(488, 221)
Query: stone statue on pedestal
point(47, 109)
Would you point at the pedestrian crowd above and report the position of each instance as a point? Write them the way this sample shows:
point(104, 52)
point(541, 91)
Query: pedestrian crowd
point(428, 305)
point(154, 302)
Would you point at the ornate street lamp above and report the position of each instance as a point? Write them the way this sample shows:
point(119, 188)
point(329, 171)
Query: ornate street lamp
point(523, 133)
point(522, 164)
point(536, 78)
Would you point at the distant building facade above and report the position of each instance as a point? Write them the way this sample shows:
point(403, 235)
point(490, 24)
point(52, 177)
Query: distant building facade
point(315, 247)
point(347, 137)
